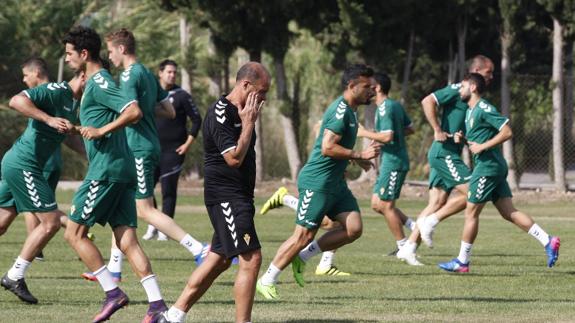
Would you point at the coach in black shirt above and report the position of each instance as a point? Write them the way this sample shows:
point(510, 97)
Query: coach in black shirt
point(229, 157)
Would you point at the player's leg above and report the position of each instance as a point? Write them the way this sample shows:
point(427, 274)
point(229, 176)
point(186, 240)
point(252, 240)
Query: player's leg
point(152, 232)
point(171, 165)
point(7, 216)
point(245, 284)
point(326, 266)
point(277, 200)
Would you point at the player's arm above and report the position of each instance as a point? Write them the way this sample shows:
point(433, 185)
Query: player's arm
point(330, 147)
point(26, 107)
point(505, 133)
point(383, 137)
point(248, 114)
point(429, 105)
point(194, 115)
point(165, 109)
point(75, 143)
point(130, 114)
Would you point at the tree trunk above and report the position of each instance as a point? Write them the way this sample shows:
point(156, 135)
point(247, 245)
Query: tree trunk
point(226, 74)
point(184, 44)
point(568, 135)
point(256, 56)
point(61, 69)
point(290, 137)
point(461, 37)
point(407, 67)
point(506, 40)
point(557, 85)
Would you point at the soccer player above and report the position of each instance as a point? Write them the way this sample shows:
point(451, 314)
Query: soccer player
point(325, 267)
point(175, 141)
point(35, 73)
point(322, 186)
point(230, 168)
point(136, 81)
point(486, 129)
point(107, 193)
point(448, 172)
point(392, 125)
point(24, 188)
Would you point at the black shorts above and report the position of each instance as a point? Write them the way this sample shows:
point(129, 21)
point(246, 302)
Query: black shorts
point(234, 229)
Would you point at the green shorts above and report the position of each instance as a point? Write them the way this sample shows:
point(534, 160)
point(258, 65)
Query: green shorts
point(104, 202)
point(146, 163)
point(53, 177)
point(483, 189)
point(28, 191)
point(389, 183)
point(314, 205)
point(448, 172)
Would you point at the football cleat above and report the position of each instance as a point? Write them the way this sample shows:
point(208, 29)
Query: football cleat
point(91, 236)
point(163, 318)
point(116, 277)
point(393, 253)
point(454, 266)
point(331, 271)
point(19, 288)
point(408, 257)
point(298, 267)
point(425, 231)
point(267, 291)
point(162, 237)
point(153, 315)
point(110, 306)
point(199, 258)
point(552, 251)
point(39, 256)
point(275, 201)
point(150, 234)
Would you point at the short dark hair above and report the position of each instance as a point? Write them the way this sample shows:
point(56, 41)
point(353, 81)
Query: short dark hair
point(167, 62)
point(37, 63)
point(353, 72)
point(477, 80)
point(125, 38)
point(84, 38)
point(384, 81)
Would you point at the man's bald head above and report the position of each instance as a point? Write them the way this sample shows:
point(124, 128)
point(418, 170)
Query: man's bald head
point(252, 72)
point(482, 65)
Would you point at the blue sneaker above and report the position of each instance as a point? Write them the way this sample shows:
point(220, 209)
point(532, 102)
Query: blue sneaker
point(199, 258)
point(552, 251)
point(235, 260)
point(454, 266)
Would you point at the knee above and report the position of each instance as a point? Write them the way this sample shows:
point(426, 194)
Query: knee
point(71, 237)
point(354, 232)
point(251, 261)
point(303, 238)
point(51, 227)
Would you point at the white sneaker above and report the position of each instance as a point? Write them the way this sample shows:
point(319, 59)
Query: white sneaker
point(162, 237)
point(409, 257)
point(150, 233)
point(426, 231)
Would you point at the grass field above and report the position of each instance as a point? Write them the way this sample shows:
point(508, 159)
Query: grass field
point(508, 281)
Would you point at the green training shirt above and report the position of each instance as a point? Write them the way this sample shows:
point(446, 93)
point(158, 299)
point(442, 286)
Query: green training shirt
point(452, 120)
point(484, 122)
point(391, 116)
point(325, 173)
point(138, 82)
point(110, 158)
point(39, 141)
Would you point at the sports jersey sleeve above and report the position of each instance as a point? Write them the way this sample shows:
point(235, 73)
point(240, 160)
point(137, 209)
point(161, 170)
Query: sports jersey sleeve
point(222, 133)
point(129, 83)
point(491, 116)
point(447, 95)
point(193, 113)
point(108, 94)
point(386, 120)
point(38, 95)
point(336, 122)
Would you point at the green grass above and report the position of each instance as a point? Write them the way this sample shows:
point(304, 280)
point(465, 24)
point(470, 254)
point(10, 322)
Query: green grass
point(508, 279)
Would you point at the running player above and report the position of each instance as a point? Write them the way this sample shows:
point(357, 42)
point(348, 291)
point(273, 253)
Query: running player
point(322, 186)
point(392, 125)
point(24, 188)
point(175, 141)
point(230, 168)
point(107, 194)
point(448, 171)
point(486, 129)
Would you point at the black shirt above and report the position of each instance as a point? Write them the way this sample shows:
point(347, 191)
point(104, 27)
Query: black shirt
point(222, 128)
point(172, 132)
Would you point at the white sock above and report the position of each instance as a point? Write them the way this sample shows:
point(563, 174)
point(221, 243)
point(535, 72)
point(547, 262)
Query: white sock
point(539, 234)
point(410, 246)
point(400, 243)
point(105, 279)
point(271, 275)
point(290, 201)
point(311, 250)
point(326, 260)
point(116, 258)
point(432, 220)
point(152, 288)
point(151, 229)
point(175, 315)
point(410, 224)
point(193, 245)
point(465, 252)
point(19, 268)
